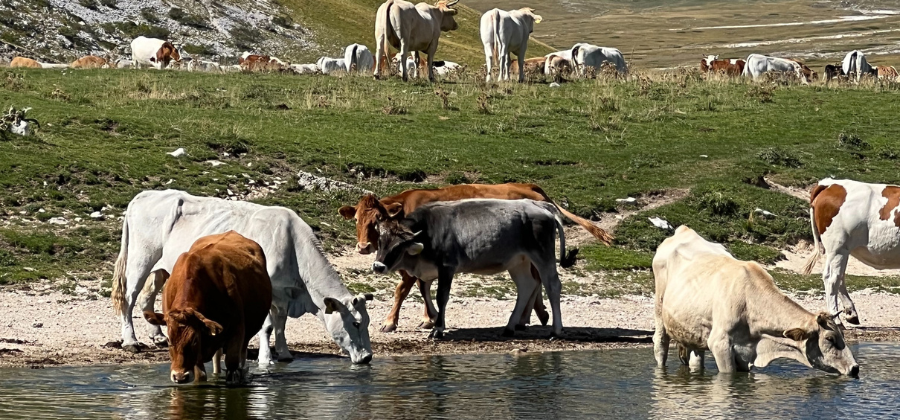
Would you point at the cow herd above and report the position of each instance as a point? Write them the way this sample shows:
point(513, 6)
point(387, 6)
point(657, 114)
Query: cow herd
point(235, 269)
point(854, 67)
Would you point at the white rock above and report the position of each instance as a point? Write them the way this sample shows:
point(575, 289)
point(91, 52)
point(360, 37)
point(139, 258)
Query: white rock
point(629, 200)
point(169, 181)
point(41, 211)
point(77, 219)
point(58, 221)
point(660, 223)
point(554, 85)
point(177, 152)
point(704, 156)
point(96, 215)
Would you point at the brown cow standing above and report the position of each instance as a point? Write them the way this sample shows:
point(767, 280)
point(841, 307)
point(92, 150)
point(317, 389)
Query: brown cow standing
point(369, 211)
point(89, 62)
point(733, 67)
point(217, 297)
point(24, 62)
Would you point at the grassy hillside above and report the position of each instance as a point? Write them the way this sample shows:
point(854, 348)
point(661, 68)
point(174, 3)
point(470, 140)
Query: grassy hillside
point(105, 137)
point(338, 23)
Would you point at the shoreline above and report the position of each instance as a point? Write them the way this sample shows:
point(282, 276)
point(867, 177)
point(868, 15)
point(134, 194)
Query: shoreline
point(47, 328)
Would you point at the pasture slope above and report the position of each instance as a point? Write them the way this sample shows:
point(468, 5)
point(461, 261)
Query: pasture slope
point(105, 137)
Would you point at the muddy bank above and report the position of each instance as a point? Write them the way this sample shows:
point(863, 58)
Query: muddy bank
point(44, 328)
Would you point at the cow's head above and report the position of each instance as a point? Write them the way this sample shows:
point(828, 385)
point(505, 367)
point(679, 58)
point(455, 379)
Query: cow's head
point(368, 213)
point(348, 323)
point(396, 241)
point(824, 346)
point(187, 329)
point(447, 21)
point(166, 53)
point(527, 11)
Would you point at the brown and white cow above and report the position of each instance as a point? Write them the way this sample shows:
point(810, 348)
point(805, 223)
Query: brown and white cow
point(153, 52)
point(730, 67)
point(258, 62)
point(411, 29)
point(218, 296)
point(89, 62)
point(533, 66)
point(708, 300)
point(24, 63)
point(370, 211)
point(858, 219)
point(887, 72)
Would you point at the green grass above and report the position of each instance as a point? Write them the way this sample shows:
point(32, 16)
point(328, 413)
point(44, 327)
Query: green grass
point(105, 135)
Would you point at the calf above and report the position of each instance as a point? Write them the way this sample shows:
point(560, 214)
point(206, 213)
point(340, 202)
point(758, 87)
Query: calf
point(731, 67)
point(532, 66)
point(708, 300)
point(89, 62)
point(369, 211)
point(218, 297)
point(331, 65)
point(24, 62)
point(254, 62)
point(439, 240)
point(887, 72)
point(832, 71)
point(587, 55)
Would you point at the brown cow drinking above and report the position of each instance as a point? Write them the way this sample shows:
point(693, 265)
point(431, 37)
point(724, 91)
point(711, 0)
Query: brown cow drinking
point(370, 211)
point(217, 298)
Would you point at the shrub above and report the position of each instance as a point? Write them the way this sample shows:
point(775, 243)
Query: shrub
point(777, 156)
point(149, 15)
point(187, 19)
point(852, 142)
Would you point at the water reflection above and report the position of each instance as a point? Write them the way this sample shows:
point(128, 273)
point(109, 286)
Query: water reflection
point(560, 385)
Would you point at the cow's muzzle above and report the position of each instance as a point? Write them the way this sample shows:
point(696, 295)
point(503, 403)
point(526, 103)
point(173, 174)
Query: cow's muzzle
point(379, 268)
point(364, 248)
point(182, 377)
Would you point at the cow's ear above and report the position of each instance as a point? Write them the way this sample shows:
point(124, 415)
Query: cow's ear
point(796, 334)
point(415, 248)
point(155, 318)
point(538, 18)
point(177, 316)
point(394, 209)
point(212, 327)
point(152, 59)
point(332, 305)
point(348, 212)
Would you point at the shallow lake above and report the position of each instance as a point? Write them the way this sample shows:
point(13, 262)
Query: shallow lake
point(622, 383)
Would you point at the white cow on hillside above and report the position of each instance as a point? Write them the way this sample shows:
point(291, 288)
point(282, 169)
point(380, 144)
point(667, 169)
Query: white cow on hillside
point(505, 32)
point(360, 56)
point(411, 29)
point(161, 225)
point(330, 65)
point(758, 64)
point(855, 62)
point(587, 55)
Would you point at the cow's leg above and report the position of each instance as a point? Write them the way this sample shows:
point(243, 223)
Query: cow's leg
point(445, 280)
point(661, 341)
point(217, 362)
point(146, 300)
point(379, 54)
point(537, 302)
point(136, 272)
point(550, 279)
point(199, 372)
point(833, 277)
point(234, 365)
point(525, 319)
point(489, 60)
point(404, 52)
point(719, 343)
point(521, 276)
point(849, 308)
point(430, 63)
point(393, 319)
point(430, 316)
point(521, 58)
point(265, 353)
point(281, 348)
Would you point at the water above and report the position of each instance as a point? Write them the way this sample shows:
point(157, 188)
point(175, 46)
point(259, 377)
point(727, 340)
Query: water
point(586, 384)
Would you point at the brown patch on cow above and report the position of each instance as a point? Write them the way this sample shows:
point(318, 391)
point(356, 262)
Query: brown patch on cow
point(826, 203)
point(89, 62)
point(893, 200)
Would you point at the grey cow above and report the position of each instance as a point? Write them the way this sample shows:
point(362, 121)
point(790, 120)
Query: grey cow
point(478, 236)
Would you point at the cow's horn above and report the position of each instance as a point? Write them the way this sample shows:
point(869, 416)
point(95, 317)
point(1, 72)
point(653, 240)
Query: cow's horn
point(452, 2)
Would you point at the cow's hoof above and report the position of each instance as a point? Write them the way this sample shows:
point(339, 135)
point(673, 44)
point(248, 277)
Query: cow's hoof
point(426, 325)
point(160, 341)
point(508, 333)
point(435, 334)
point(544, 318)
point(135, 347)
point(388, 328)
point(852, 319)
point(521, 328)
point(286, 359)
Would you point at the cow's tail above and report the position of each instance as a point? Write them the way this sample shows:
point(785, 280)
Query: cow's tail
point(594, 230)
point(119, 280)
point(814, 258)
point(385, 55)
point(353, 60)
point(565, 261)
point(495, 33)
point(853, 65)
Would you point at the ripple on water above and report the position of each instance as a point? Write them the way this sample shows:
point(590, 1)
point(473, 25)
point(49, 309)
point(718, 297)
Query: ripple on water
point(585, 384)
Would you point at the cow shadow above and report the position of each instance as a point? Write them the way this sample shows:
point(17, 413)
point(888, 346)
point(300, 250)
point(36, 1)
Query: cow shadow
point(570, 334)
